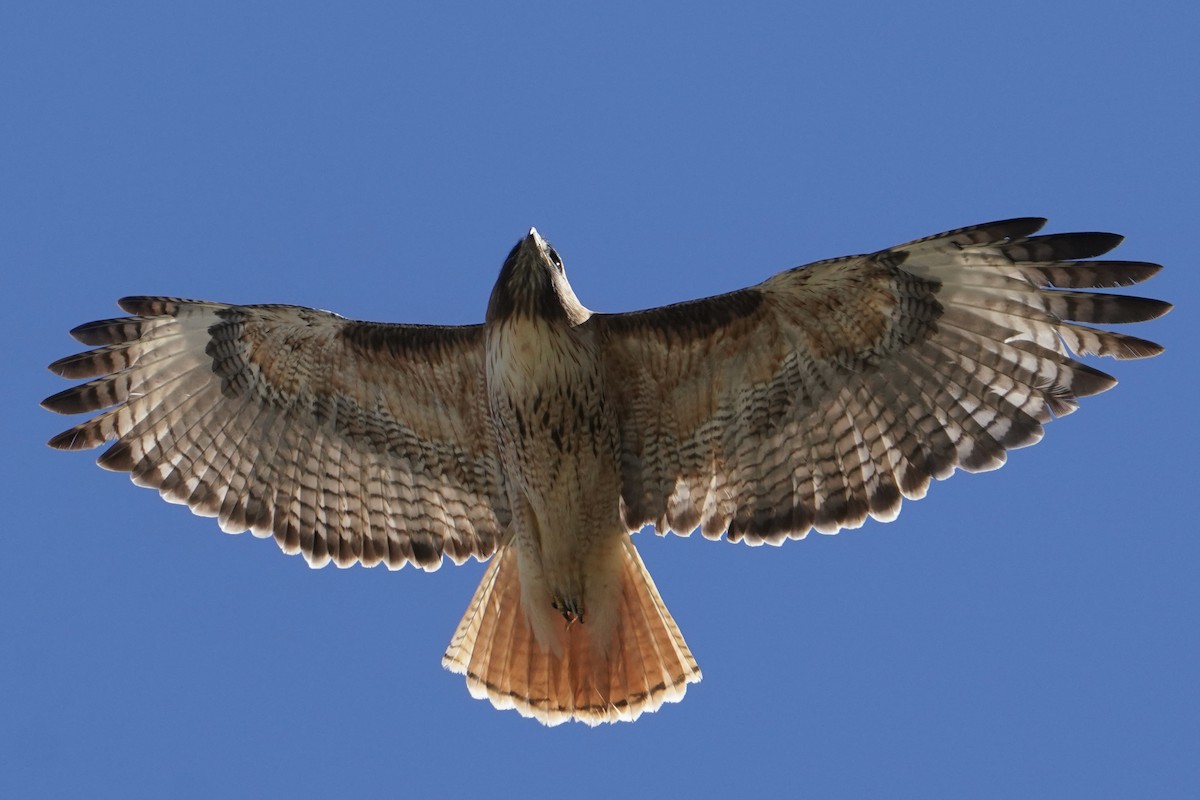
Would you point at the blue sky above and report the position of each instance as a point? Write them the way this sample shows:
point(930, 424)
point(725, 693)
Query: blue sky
point(1030, 632)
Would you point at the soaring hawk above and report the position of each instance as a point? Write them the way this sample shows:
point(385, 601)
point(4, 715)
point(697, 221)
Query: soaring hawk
point(549, 433)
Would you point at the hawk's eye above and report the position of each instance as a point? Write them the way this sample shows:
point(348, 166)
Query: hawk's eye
point(555, 259)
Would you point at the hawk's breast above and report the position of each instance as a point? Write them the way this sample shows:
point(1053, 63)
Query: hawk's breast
point(557, 434)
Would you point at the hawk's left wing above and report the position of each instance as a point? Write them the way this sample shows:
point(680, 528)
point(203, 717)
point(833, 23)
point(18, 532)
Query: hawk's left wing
point(827, 393)
point(346, 441)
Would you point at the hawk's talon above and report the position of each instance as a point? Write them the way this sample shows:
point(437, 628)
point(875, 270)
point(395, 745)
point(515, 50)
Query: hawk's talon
point(570, 610)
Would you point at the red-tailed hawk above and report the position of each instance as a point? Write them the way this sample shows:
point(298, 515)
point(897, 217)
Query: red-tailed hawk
point(544, 436)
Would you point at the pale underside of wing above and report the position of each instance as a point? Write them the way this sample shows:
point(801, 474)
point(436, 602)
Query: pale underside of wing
point(826, 394)
point(346, 441)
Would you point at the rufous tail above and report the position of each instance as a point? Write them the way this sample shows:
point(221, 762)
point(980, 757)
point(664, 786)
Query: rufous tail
point(647, 663)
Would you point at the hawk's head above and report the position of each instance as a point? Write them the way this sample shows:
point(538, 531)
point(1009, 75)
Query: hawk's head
point(533, 284)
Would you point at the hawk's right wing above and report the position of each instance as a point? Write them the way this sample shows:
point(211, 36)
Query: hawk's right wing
point(350, 441)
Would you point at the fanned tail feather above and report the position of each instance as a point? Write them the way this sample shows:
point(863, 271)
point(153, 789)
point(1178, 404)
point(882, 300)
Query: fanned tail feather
point(647, 662)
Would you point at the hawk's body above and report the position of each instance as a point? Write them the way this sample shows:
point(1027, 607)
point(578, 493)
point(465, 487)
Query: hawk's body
point(557, 436)
point(820, 397)
point(571, 560)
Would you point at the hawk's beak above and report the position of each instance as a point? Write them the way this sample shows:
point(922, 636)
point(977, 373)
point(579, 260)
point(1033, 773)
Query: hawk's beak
point(534, 245)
